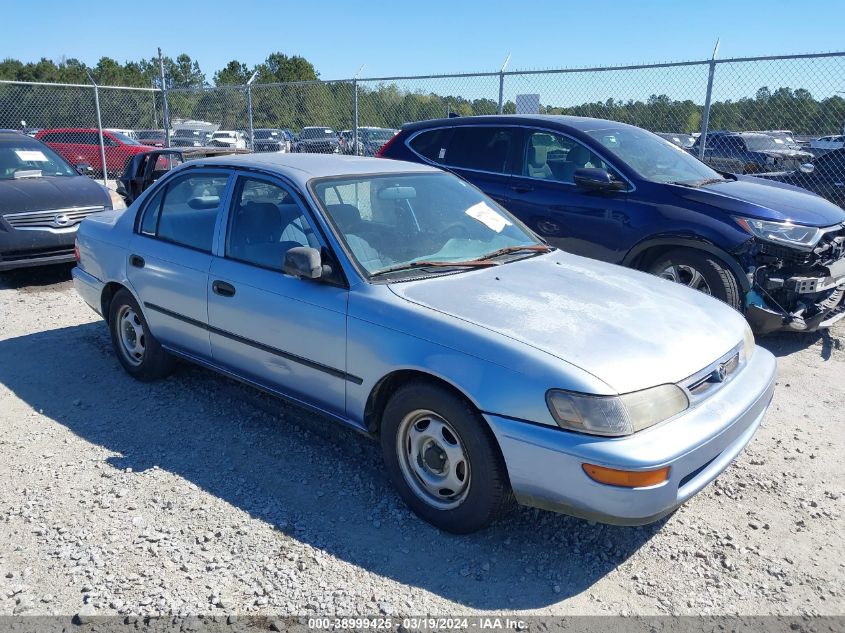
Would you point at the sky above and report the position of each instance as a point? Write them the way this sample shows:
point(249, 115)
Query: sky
point(400, 37)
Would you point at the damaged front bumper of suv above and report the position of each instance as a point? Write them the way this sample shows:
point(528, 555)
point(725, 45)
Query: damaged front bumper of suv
point(794, 289)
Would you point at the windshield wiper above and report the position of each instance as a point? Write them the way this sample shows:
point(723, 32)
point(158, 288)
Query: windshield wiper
point(470, 263)
point(695, 184)
point(538, 248)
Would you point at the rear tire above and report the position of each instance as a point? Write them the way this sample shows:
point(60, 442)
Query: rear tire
point(700, 271)
point(136, 348)
point(443, 459)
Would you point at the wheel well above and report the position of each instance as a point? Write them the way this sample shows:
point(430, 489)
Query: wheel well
point(648, 256)
point(109, 291)
point(385, 387)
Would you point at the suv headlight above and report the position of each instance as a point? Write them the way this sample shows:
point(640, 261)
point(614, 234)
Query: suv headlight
point(795, 235)
point(615, 415)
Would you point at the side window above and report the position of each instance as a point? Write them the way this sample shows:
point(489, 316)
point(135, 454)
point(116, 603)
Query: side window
point(555, 157)
point(432, 144)
point(482, 148)
point(188, 212)
point(265, 222)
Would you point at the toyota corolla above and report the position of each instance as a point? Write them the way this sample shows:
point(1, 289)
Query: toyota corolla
point(401, 301)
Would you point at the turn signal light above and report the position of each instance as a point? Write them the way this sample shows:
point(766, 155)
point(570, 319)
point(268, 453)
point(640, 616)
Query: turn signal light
point(626, 478)
point(76, 250)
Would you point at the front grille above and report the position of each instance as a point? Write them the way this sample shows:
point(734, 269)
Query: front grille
point(52, 219)
point(707, 381)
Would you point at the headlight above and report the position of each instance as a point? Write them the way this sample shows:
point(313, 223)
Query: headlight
point(117, 201)
point(616, 415)
point(803, 237)
point(748, 343)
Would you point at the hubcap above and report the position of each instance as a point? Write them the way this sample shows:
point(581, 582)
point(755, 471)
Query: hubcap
point(433, 459)
point(686, 275)
point(132, 338)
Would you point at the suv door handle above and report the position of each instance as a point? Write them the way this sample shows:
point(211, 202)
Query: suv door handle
point(522, 188)
point(137, 261)
point(223, 289)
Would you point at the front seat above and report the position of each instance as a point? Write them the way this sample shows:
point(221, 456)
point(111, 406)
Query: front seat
point(256, 235)
point(347, 217)
point(577, 158)
point(537, 165)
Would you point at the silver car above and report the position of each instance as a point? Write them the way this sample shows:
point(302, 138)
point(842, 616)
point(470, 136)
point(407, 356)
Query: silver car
point(401, 301)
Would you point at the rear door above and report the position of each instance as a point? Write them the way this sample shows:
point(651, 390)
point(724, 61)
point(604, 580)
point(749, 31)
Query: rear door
point(279, 331)
point(170, 254)
point(481, 154)
point(543, 194)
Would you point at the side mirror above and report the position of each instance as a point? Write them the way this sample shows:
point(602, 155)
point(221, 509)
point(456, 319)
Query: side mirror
point(807, 168)
point(84, 169)
point(595, 179)
point(303, 261)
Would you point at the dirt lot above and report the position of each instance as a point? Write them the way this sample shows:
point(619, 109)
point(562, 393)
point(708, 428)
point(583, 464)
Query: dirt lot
point(197, 495)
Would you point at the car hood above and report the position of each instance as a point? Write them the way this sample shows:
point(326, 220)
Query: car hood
point(766, 200)
point(51, 192)
point(628, 329)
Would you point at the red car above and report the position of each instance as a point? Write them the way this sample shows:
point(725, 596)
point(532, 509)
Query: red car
point(82, 145)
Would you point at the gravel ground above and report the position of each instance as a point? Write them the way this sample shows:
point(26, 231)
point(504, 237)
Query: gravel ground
point(196, 495)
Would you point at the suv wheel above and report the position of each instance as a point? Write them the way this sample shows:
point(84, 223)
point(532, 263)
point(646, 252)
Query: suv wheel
point(700, 271)
point(443, 459)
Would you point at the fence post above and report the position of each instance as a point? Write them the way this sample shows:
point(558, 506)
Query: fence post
point(165, 109)
point(501, 107)
point(705, 119)
point(249, 110)
point(355, 115)
point(105, 170)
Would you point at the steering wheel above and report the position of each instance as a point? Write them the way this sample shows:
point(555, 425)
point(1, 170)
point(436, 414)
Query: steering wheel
point(456, 230)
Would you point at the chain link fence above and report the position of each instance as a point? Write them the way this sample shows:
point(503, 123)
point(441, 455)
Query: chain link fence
point(772, 115)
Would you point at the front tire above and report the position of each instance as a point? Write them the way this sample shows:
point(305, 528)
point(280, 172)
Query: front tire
point(700, 271)
point(443, 460)
point(136, 348)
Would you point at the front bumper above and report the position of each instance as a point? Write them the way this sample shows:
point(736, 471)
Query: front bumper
point(545, 463)
point(22, 249)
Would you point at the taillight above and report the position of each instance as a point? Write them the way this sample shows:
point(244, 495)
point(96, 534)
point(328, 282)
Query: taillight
point(76, 251)
point(380, 153)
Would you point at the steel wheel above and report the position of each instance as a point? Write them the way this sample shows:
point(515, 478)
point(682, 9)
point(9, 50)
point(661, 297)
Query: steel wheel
point(433, 459)
point(686, 275)
point(132, 338)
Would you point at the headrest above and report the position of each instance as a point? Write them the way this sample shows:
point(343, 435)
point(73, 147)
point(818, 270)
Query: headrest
point(346, 216)
point(537, 155)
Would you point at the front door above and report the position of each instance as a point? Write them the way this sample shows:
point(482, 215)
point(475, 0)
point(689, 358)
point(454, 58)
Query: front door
point(543, 194)
point(279, 331)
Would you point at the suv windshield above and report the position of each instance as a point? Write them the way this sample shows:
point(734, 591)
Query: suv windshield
point(27, 160)
point(317, 132)
point(652, 157)
point(401, 221)
point(265, 134)
point(185, 133)
point(763, 142)
point(126, 140)
point(379, 135)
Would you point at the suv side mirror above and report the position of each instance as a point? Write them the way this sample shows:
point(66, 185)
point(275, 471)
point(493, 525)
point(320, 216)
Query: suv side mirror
point(84, 169)
point(595, 179)
point(303, 261)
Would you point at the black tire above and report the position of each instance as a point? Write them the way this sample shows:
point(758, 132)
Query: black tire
point(720, 281)
point(487, 495)
point(153, 362)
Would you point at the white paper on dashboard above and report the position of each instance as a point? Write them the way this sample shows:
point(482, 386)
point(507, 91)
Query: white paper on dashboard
point(488, 217)
point(31, 155)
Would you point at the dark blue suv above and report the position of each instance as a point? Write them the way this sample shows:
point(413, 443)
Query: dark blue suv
point(618, 193)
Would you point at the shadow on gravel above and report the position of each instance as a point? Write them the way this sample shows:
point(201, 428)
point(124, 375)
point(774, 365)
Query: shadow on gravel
point(37, 278)
point(784, 344)
point(318, 483)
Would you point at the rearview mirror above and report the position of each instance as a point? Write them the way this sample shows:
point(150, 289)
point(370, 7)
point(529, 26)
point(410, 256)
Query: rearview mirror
point(807, 168)
point(596, 179)
point(303, 261)
point(84, 169)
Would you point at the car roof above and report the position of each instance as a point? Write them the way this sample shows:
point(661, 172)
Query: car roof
point(17, 137)
point(580, 123)
point(303, 167)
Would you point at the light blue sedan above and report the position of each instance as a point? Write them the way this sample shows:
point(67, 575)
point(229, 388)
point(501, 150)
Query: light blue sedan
point(401, 301)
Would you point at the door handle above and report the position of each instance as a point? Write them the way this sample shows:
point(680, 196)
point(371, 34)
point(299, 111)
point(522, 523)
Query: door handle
point(223, 289)
point(522, 188)
point(137, 261)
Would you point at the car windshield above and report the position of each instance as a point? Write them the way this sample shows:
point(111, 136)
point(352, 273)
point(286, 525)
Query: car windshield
point(762, 142)
point(652, 157)
point(27, 160)
point(317, 132)
point(265, 134)
point(126, 140)
point(184, 133)
point(403, 221)
point(148, 134)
